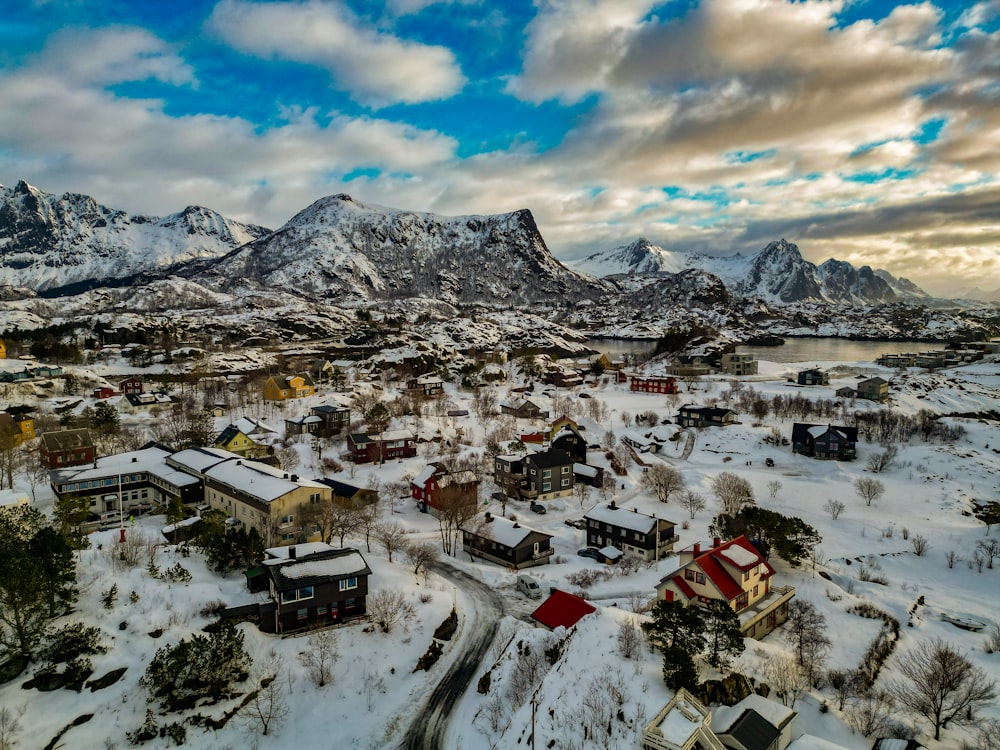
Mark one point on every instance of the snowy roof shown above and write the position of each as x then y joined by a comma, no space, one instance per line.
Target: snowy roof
169,528
425,473
680,723
772,712
625,518
739,556
397,435
199,459
585,470
14,497
508,533
333,564
612,553
811,742
258,480
277,555
248,425
145,460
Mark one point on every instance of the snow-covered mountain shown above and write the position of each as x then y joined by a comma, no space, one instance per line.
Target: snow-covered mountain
341,249
778,273
48,242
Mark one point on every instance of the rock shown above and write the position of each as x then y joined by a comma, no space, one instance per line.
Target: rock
106,680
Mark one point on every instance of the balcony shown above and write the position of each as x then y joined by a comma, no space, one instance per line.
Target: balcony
772,602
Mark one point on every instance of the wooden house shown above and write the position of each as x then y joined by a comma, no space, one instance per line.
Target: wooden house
426,386
522,408
812,377
705,416
436,486
874,389
507,543
131,385
67,448
381,447
830,442
665,385
636,534
284,387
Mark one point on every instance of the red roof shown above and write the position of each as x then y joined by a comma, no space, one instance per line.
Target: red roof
562,609
710,563
683,586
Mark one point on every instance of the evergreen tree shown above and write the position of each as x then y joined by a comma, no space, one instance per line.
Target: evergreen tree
68,515
105,419
722,633
52,556
679,632
679,670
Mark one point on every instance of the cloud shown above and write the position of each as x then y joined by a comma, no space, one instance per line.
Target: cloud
374,67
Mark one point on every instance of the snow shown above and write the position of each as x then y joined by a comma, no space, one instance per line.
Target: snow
739,556
626,518
771,711
256,479
331,566
676,726
506,532
277,555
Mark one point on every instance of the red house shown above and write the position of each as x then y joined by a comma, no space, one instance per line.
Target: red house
436,484
132,385
653,385
67,448
381,447
561,610
104,392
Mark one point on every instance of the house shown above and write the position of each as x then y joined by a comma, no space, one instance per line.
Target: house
15,429
562,378
426,386
263,497
653,385
103,392
522,408
755,723
16,375
636,534
247,437
832,442
592,476
382,447
547,475
436,487
568,438
350,495
733,572
812,377
561,610
705,416
739,364
135,403
308,425
284,387
508,472
129,482
507,543
46,371
67,448
846,392
131,385
322,421
649,441
3,350
874,389
322,586
683,724
689,366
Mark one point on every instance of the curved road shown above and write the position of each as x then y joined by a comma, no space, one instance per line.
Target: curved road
430,727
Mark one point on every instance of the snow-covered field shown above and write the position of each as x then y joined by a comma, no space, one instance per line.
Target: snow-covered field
375,695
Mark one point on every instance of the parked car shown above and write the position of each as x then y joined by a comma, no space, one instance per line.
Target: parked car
537,508
592,552
576,523
769,462
529,587
498,497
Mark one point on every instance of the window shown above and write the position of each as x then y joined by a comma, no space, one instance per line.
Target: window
699,577
306,592
746,576
302,614
689,575
638,536
347,584
565,483
755,590
741,601
547,473
287,519
314,498
565,470
547,487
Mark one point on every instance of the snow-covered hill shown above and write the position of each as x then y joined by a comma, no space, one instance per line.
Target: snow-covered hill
339,248
777,274
48,242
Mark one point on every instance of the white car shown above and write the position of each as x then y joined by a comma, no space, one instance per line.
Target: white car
529,587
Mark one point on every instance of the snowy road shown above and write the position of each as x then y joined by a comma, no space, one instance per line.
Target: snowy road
430,728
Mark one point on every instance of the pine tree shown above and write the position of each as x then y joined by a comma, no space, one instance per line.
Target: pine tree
722,631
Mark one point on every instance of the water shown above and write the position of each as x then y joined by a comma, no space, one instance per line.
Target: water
794,349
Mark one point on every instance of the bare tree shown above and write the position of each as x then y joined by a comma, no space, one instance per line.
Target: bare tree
881,462
662,481
389,607
392,537
421,555
10,726
692,502
807,631
484,402
288,457
868,489
331,519
320,656
582,491
920,545
628,638
988,734
783,674
266,707
454,512
845,683
869,713
990,549
774,487
834,508
733,492
941,685
368,521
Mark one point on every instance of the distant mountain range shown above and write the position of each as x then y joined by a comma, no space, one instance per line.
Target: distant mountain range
776,274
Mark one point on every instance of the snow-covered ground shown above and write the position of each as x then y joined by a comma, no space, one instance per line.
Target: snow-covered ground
375,696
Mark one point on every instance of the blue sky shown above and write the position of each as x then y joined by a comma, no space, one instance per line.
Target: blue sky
866,131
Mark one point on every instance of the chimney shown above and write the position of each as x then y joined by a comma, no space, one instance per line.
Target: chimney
516,525
135,459
291,552
696,550
285,475
613,505
489,517
295,477
716,542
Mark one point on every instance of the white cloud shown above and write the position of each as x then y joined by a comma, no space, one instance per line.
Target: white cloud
375,67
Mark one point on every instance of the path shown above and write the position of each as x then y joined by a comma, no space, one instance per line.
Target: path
430,726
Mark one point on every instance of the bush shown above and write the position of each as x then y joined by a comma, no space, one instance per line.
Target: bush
71,641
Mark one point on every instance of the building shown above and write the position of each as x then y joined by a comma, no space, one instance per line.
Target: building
547,475
683,724
247,437
739,364
705,416
649,441
874,389
262,497
334,419
321,586
832,442
522,408
755,723
67,448
426,386
284,387
140,479
350,495
132,385
846,392
733,572
812,377
16,429
635,534
653,385
3,350
507,543
436,487
382,447
135,403
561,610
568,438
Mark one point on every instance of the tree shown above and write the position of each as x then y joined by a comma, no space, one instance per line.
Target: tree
789,537
783,674
869,713
834,508
662,481
774,487
69,512
228,548
807,630
421,555
941,685
990,549
266,707
105,419
392,537
454,513
320,656
692,502
671,625
288,457
484,402
868,489
679,670
52,556
628,638
206,666
331,519
389,607
845,683
722,631
733,492
881,462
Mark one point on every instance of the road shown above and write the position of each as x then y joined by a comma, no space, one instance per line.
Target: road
430,727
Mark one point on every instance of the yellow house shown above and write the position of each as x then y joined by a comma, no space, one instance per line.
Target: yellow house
3,350
283,387
27,426
267,499
246,437
15,430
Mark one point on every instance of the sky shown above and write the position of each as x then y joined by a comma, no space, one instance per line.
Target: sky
865,130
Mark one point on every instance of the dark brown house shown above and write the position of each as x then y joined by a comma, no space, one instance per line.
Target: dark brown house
830,442
508,543
67,448
705,416
381,447
437,486
325,586
522,408
635,534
